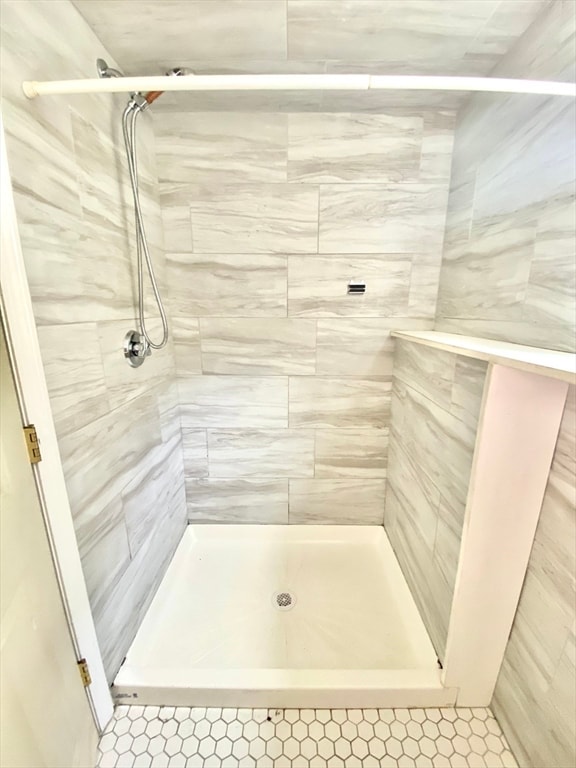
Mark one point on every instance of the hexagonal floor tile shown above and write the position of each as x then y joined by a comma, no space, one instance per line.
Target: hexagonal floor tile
190,746
207,747
342,748
274,748
176,737
124,743
173,745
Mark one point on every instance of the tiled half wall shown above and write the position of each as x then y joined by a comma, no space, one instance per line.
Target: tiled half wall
284,379
436,400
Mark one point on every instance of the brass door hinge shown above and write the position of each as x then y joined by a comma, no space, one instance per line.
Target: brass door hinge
84,673
32,444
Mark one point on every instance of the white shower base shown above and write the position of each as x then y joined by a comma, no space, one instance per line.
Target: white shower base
215,635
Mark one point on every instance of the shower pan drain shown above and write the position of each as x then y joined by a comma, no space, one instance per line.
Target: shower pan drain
283,601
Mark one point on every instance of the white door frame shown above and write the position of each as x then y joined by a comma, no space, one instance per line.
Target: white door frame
34,401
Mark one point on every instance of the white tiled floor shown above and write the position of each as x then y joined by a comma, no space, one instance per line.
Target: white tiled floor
305,738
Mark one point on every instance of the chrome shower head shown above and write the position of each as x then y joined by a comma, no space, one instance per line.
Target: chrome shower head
105,71
179,71
151,96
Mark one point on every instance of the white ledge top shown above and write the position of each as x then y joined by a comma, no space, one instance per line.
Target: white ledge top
548,362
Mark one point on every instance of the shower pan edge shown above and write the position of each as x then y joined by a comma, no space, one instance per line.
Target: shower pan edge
311,689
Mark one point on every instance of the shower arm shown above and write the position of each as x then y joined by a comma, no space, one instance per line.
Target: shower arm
115,84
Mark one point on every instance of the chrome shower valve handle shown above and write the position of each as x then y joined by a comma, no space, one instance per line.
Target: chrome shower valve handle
136,348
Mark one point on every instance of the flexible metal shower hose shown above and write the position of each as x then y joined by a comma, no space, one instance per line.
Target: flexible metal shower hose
129,118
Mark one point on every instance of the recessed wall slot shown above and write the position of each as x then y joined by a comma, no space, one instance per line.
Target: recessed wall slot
356,286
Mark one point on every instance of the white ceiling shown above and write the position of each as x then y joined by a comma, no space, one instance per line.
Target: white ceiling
464,37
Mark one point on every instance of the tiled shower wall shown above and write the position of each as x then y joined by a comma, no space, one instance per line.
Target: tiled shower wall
284,379
508,272
118,428
436,401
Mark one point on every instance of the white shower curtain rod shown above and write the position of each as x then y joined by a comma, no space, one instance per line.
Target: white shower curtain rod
33,88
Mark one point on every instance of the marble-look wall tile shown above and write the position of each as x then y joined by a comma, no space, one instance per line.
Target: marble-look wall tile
85,289
535,53
261,453
508,269
437,145
442,444
375,101
364,29
504,183
319,402
234,401
507,20
391,218
468,389
237,501
337,502
253,301
131,595
251,147
551,290
155,493
354,347
351,453
424,278
264,218
495,247
429,371
436,401
227,285
74,374
318,284
415,493
77,233
249,346
213,30
169,410
177,224
448,539
431,593
96,153
100,458
105,552
360,346
326,148
239,101
124,384
186,339
423,296
195,452
523,333
36,133
535,690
